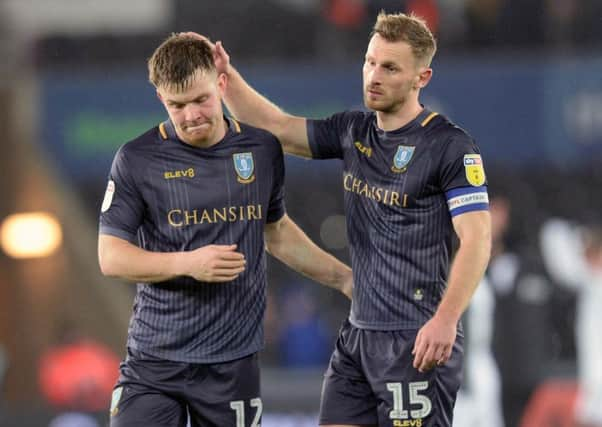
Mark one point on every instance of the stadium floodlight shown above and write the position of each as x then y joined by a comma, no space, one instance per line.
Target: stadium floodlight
30,235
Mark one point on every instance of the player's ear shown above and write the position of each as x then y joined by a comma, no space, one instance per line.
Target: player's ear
424,77
222,83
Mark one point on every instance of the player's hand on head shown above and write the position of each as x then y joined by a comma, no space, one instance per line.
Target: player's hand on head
220,56
216,263
434,344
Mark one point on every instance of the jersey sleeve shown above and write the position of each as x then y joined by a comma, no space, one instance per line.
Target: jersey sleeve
122,207
462,176
276,209
325,135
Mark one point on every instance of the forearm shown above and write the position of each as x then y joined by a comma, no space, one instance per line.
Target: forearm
126,261
249,106
292,246
466,272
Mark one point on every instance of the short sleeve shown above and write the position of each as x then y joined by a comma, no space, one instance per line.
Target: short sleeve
462,176
276,209
122,207
325,135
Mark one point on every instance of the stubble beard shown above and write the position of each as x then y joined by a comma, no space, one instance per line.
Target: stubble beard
200,136
386,106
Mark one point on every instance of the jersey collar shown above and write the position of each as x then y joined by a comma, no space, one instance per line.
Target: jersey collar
421,120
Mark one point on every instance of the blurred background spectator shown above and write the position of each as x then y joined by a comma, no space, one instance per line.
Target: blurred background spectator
305,337
78,375
76,378
573,254
523,77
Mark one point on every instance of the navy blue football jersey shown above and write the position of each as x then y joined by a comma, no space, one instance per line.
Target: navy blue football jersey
165,196
401,189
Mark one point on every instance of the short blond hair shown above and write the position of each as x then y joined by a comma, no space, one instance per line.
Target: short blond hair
177,60
395,27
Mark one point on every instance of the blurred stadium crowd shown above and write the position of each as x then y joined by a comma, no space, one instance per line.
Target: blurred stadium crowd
523,76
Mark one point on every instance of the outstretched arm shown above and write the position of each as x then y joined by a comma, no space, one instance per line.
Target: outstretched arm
287,242
436,338
251,107
212,263
247,105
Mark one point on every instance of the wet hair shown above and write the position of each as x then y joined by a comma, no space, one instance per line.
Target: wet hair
177,60
395,27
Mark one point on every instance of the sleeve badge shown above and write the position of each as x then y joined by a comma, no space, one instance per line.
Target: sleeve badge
473,167
108,199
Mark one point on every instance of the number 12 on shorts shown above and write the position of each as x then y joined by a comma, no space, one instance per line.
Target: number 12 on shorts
415,399
239,407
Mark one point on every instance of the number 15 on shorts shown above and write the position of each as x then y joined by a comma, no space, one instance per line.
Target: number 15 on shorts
413,418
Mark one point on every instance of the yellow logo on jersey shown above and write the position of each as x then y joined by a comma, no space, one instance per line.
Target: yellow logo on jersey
367,151
473,166
179,174
408,423
185,217
381,195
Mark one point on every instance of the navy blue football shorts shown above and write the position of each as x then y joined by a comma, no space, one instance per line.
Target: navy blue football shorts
152,392
371,381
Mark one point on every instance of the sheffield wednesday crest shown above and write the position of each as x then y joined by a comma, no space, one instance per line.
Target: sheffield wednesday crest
245,167
402,158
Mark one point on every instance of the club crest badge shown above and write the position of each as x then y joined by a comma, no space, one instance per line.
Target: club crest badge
402,158
245,167
473,167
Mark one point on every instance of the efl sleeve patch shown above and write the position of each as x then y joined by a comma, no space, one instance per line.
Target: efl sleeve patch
467,199
108,199
473,167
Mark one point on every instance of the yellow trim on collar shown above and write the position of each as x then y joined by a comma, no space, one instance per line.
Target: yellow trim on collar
162,131
428,119
236,125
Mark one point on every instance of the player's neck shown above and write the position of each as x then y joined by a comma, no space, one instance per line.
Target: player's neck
389,121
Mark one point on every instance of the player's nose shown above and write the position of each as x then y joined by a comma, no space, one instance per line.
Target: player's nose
373,78
192,112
